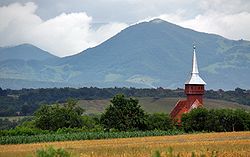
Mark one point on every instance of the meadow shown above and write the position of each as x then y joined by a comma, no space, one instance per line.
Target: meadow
225,144
153,105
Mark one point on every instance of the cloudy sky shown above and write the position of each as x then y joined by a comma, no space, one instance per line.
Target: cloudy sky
66,27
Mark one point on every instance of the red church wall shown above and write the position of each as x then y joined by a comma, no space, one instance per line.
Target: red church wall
194,94
194,89
191,98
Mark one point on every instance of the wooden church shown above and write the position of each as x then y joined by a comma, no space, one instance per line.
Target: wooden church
194,89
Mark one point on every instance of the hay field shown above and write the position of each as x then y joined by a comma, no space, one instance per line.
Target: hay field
230,144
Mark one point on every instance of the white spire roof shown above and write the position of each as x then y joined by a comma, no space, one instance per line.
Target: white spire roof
195,78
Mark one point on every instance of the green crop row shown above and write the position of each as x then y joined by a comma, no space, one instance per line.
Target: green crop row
82,136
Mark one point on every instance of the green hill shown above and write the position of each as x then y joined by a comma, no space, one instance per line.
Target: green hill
153,105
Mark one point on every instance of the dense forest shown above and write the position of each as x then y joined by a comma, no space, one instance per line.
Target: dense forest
26,101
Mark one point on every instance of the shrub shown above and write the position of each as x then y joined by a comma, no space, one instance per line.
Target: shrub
53,117
52,152
159,121
218,120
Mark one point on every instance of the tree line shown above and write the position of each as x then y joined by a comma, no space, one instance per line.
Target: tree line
125,114
26,101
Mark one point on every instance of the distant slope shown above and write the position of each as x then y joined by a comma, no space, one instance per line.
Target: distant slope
25,66
24,52
148,54
14,83
158,53
153,105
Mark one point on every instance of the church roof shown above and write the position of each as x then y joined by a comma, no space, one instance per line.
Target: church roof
195,104
195,78
178,107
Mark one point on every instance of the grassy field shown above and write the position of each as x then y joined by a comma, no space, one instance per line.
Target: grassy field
152,105
149,104
230,144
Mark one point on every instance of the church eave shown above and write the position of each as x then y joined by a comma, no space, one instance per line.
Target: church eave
195,79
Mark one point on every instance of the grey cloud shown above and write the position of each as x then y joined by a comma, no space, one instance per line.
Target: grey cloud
229,18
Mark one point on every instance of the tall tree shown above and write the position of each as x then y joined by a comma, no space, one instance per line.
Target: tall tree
124,114
53,117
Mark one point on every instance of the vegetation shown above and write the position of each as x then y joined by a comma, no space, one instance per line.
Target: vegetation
82,136
159,121
124,115
124,118
27,101
52,152
65,122
170,153
201,119
156,105
12,122
7,124
58,116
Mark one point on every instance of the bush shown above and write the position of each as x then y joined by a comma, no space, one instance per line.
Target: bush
52,152
57,116
23,131
196,120
218,120
159,121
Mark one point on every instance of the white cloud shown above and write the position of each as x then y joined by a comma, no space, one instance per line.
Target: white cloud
107,31
225,6
62,35
233,26
16,21
228,18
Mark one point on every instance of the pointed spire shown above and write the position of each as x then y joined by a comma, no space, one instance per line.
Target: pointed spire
195,65
195,78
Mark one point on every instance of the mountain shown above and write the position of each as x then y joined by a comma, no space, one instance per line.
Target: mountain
23,66
24,52
158,53
148,54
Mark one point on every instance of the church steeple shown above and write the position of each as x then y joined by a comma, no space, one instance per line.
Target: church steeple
195,78
194,89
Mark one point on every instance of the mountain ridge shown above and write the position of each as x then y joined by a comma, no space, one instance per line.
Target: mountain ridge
150,54
25,52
